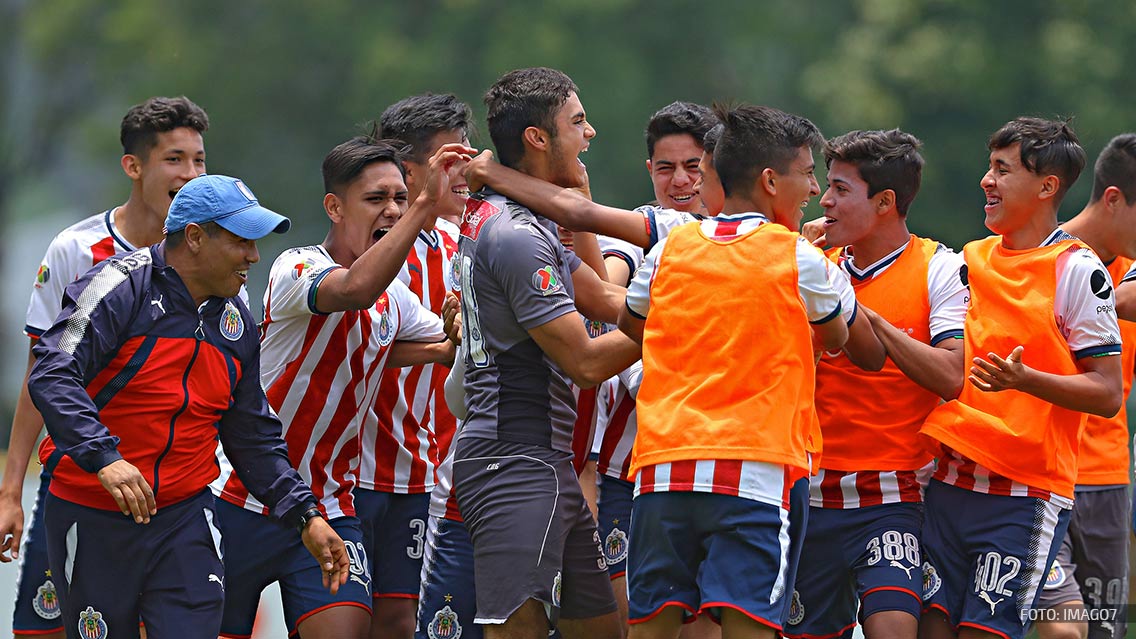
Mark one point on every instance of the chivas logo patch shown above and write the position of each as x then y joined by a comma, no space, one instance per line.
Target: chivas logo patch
444,625
232,326
91,624
615,546
46,601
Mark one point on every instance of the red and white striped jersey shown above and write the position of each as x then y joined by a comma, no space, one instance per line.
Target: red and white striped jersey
765,482
321,373
956,470
616,431
851,489
443,501
70,255
410,428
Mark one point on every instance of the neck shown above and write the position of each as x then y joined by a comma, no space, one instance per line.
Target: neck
338,249
533,166
1032,234
1092,227
138,224
182,262
737,204
880,243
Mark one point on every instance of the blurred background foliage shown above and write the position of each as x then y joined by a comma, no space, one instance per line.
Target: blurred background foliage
284,81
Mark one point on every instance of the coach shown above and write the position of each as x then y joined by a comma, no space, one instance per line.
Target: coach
152,359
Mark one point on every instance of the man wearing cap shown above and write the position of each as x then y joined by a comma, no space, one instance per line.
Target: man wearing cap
154,358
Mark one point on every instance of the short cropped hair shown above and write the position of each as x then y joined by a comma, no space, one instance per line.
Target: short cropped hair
417,119
520,99
1048,147
710,140
1116,166
143,122
885,160
758,137
679,118
346,161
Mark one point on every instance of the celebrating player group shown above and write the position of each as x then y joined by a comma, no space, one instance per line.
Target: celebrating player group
486,405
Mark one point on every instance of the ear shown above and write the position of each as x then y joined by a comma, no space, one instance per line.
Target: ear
1113,198
535,138
411,172
334,207
132,166
649,167
885,200
1049,186
194,237
768,181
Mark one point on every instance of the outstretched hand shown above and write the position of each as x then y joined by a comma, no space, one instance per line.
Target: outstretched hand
438,167
999,374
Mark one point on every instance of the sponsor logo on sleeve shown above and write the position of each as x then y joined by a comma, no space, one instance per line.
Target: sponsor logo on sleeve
546,280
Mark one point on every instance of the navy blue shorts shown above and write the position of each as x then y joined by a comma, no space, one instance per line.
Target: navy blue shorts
798,528
985,556
37,609
859,559
394,533
615,522
704,551
260,550
110,571
447,604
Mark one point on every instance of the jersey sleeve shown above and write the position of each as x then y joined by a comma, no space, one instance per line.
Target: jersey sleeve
825,289
527,265
639,290
613,247
1130,275
1085,306
60,266
660,222
294,282
416,322
948,295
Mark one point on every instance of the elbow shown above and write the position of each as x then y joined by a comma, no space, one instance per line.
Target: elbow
952,388
1110,405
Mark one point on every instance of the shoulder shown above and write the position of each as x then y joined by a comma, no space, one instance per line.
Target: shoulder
299,261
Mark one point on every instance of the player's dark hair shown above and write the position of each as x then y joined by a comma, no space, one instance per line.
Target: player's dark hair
417,119
710,140
520,99
1048,147
755,138
1116,166
885,160
177,238
143,122
679,118
346,161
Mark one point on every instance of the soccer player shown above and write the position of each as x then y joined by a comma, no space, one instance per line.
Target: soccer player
162,149
861,549
674,149
410,428
1091,566
333,314
1041,345
537,562
716,455
154,358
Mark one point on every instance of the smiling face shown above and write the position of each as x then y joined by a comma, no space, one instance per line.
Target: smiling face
674,172
226,259
573,135
369,206
794,189
1013,192
709,186
416,172
849,214
177,157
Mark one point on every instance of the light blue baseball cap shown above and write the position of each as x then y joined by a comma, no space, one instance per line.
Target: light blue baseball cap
226,201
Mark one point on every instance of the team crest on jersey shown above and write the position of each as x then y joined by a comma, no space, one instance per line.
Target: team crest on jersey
556,590
91,624
546,280
386,327
232,325
42,275
796,609
615,546
931,580
46,601
1056,575
444,625
301,267
455,275
477,213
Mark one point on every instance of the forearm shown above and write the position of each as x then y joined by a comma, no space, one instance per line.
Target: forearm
1088,392
55,387
863,347
26,425
380,264
587,248
417,353
604,357
939,370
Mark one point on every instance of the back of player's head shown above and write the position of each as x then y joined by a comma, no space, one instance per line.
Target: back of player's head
346,161
755,138
678,118
885,160
1116,166
143,122
1048,147
520,99
710,140
417,119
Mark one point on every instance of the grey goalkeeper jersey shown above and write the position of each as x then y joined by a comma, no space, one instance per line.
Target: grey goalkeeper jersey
514,275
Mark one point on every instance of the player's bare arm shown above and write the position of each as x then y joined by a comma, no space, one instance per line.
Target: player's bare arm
834,334
405,353
587,361
358,286
1097,390
326,546
26,424
863,348
937,368
1126,301
595,298
567,207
